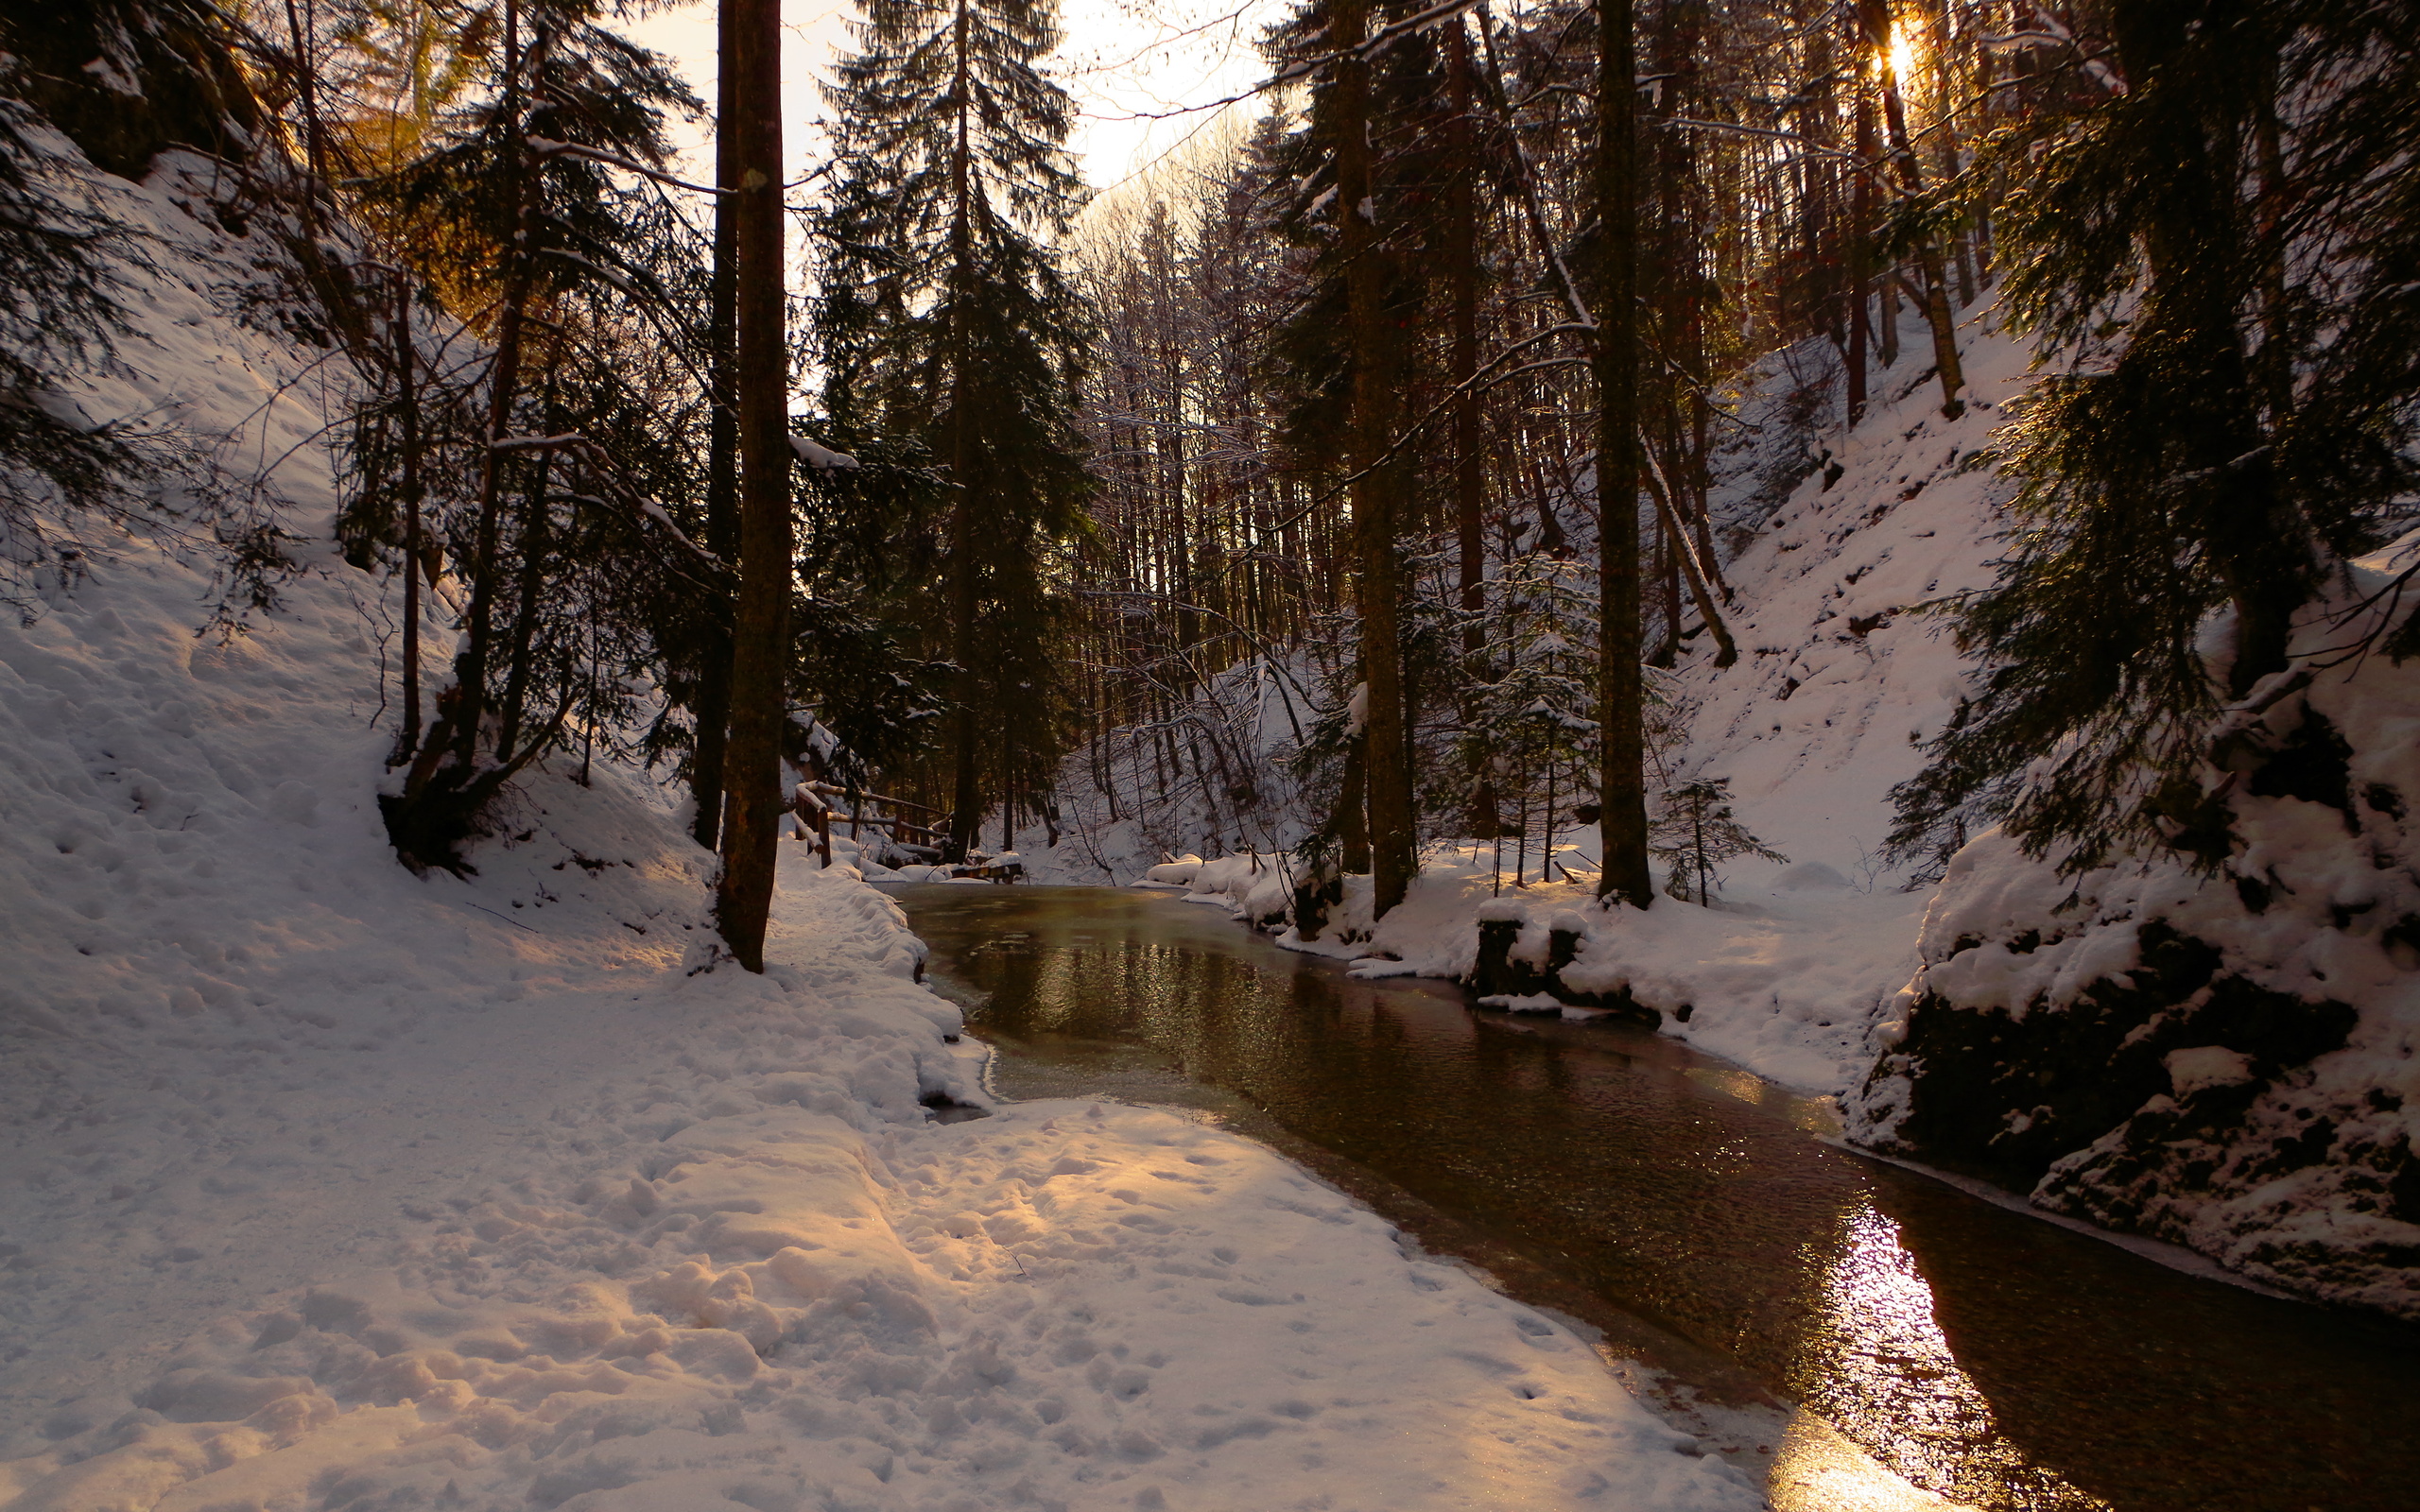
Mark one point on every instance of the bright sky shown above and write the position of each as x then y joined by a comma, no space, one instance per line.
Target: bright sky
1124,60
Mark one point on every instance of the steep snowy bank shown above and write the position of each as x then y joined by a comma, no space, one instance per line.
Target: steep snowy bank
331,1186
2225,1061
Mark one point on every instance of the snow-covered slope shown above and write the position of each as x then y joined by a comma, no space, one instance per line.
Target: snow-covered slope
2229,1061
334,1186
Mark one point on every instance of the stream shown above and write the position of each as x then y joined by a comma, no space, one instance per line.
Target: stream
1693,1214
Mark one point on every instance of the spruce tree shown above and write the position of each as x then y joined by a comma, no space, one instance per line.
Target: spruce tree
554,470
760,640
944,316
1368,166
1622,780
2220,261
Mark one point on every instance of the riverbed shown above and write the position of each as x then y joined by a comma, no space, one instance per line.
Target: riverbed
1697,1215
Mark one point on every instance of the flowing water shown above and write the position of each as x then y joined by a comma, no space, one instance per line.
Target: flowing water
1694,1213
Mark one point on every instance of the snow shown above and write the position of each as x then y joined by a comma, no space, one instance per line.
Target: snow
816,454
1785,980
332,1185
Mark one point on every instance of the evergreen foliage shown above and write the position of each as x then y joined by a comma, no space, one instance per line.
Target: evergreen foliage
2220,261
553,465
943,315
1694,832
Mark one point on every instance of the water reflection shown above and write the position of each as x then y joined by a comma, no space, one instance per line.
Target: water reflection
1876,1354
1990,1357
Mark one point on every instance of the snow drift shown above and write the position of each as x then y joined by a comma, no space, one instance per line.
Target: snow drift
2224,1061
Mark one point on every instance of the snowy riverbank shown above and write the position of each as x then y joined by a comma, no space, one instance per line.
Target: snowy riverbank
331,1185
334,1186
1786,980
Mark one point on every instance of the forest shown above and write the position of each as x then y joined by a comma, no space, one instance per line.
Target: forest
1327,398
1781,633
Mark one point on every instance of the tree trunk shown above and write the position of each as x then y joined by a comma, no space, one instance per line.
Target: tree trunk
1877,15
1461,253
1375,389
1470,497
966,797
1352,806
1622,788
471,664
722,471
1861,253
408,414
760,661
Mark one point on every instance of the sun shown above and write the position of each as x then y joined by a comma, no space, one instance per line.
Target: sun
1903,53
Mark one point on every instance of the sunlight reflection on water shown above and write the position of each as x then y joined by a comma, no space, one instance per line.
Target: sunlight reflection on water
1680,1203
1883,1367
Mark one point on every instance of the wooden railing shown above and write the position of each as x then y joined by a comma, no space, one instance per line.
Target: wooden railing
816,813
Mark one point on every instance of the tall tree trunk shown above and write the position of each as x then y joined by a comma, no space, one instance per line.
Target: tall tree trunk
760,659
1353,806
534,520
1861,251
966,798
471,663
1622,786
1376,387
722,471
1461,253
408,415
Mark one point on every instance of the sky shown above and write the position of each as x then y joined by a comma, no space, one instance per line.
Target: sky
1126,61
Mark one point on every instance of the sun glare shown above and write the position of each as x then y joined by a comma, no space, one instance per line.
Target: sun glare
1903,54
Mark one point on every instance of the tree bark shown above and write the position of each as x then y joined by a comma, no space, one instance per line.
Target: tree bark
966,799
1861,252
1876,17
760,661
408,400
1622,788
722,460
1386,763
1470,493
471,663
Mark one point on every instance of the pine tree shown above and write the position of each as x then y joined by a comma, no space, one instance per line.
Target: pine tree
1623,786
1696,833
760,638
555,463
945,316
2219,433
1375,147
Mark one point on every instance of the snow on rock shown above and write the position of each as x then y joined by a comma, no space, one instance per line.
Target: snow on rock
2224,1061
335,1186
